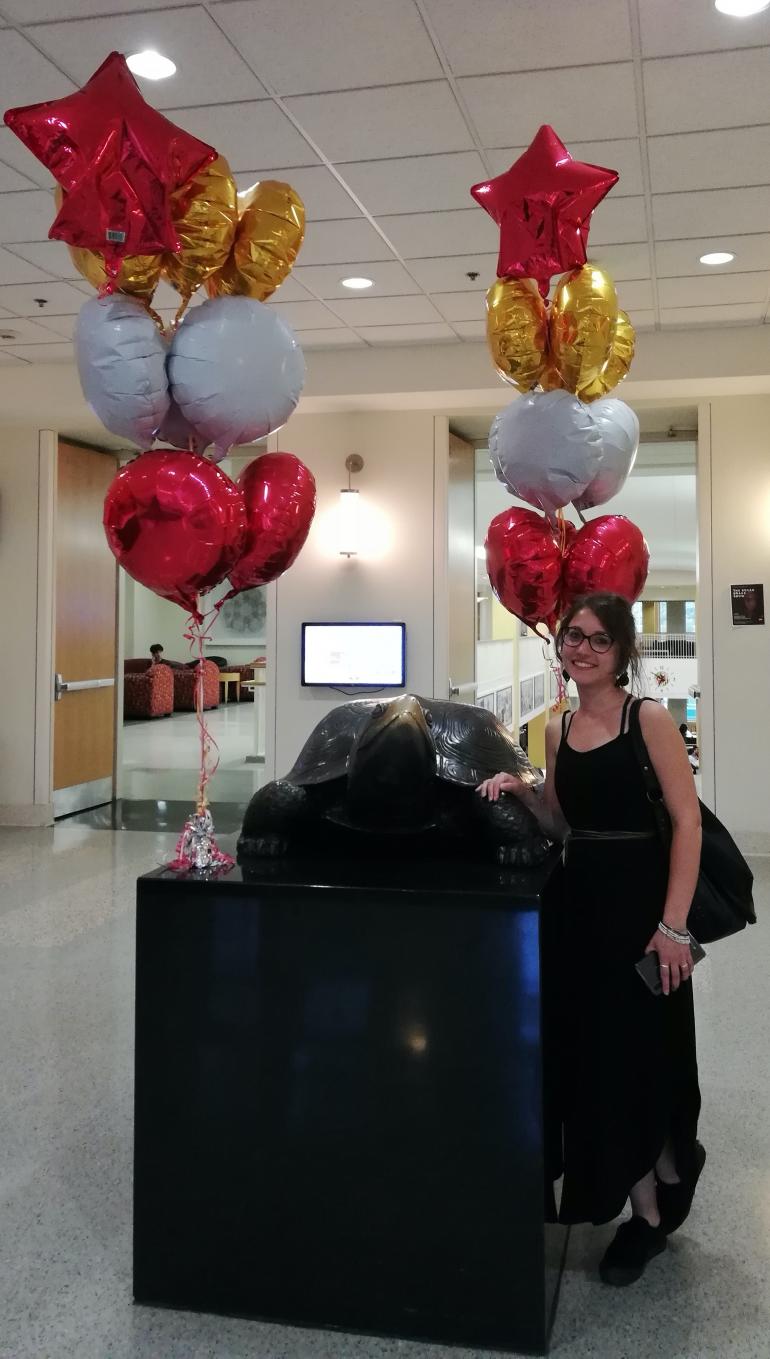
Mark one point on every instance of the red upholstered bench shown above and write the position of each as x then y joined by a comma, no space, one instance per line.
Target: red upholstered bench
148,689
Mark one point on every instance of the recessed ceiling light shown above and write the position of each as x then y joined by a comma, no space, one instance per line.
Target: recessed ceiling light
717,257
151,65
741,9
357,283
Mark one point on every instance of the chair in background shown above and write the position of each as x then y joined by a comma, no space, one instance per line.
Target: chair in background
184,687
148,689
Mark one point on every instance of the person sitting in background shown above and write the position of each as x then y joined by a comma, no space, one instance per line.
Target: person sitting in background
156,653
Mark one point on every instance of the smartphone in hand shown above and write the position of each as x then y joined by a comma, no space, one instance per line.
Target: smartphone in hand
649,967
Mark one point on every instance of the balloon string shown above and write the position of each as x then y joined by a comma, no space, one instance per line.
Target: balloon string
197,634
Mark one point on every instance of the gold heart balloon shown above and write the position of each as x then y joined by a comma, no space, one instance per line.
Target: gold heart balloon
618,363
582,324
204,211
270,231
517,331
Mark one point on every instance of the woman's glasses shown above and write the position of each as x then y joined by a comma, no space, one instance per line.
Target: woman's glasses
598,641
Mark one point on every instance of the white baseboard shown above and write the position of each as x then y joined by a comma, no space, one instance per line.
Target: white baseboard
26,814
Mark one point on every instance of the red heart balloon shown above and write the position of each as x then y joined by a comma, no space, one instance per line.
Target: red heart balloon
609,554
525,565
279,495
176,523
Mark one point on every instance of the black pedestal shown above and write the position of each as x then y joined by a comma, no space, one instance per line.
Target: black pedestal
338,1100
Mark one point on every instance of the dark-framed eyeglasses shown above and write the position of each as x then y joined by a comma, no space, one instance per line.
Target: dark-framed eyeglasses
599,642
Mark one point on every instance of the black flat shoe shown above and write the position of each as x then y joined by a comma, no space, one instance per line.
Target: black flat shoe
675,1200
635,1243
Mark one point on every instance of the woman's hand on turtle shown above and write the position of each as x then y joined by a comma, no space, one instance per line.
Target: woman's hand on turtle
501,783
674,960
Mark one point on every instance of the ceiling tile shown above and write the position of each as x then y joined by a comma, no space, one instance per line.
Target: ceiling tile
636,296
25,332
20,298
368,124
449,274
712,290
643,320
487,36
389,278
323,195
34,11
675,214
622,155
26,216
45,353
11,180
670,29
207,64
291,290
8,360
587,100
337,45
465,306
711,90
61,325
471,330
385,311
327,339
709,160
406,334
419,235
14,153
623,261
617,221
674,258
305,315
16,270
345,243
27,76
712,316
416,183
247,134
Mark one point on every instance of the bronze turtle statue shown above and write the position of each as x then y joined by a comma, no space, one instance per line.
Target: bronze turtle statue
407,767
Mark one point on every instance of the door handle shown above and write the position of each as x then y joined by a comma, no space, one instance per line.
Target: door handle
62,686
456,689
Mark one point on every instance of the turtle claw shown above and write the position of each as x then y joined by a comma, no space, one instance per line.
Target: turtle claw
526,854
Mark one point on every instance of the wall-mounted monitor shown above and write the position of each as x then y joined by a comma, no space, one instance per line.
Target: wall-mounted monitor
349,655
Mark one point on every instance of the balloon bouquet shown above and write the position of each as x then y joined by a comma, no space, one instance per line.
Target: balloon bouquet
566,440
139,199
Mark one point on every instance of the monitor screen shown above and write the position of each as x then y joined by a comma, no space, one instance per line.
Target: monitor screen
367,654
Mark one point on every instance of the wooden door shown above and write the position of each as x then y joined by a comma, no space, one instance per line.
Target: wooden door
86,633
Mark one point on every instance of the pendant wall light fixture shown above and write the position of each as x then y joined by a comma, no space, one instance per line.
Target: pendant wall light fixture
349,514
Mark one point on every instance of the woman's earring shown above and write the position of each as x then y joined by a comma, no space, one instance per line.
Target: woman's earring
622,680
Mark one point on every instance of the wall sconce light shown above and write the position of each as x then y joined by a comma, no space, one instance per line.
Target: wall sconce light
350,503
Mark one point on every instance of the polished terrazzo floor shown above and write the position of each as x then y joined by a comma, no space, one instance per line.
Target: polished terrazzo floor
66,979
160,757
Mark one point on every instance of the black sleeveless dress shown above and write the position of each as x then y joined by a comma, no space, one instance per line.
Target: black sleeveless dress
621,1069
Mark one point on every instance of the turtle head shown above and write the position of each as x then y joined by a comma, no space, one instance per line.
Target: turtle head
392,767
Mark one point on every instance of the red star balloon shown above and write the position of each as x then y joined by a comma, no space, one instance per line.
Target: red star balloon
118,159
543,207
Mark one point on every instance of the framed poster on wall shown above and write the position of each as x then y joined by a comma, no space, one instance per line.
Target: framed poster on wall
748,604
539,690
504,705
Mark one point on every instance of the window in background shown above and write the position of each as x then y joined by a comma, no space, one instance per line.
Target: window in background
638,613
663,616
689,616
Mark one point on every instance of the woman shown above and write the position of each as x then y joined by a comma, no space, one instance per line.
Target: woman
623,1079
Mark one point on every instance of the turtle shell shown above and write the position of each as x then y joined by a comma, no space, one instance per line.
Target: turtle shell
471,745
326,751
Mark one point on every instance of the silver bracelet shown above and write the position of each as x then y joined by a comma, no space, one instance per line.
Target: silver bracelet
676,935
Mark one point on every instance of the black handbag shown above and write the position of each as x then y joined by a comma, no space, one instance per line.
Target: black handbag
723,903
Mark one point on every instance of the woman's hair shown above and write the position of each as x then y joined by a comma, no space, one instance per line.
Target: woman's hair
614,614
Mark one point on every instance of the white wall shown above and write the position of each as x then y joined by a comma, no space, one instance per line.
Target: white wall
740,553
393,578
27,472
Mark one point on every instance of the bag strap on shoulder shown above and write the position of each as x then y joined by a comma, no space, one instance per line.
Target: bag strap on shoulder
651,782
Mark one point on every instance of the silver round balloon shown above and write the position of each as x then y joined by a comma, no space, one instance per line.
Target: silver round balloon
236,371
619,428
121,358
546,448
